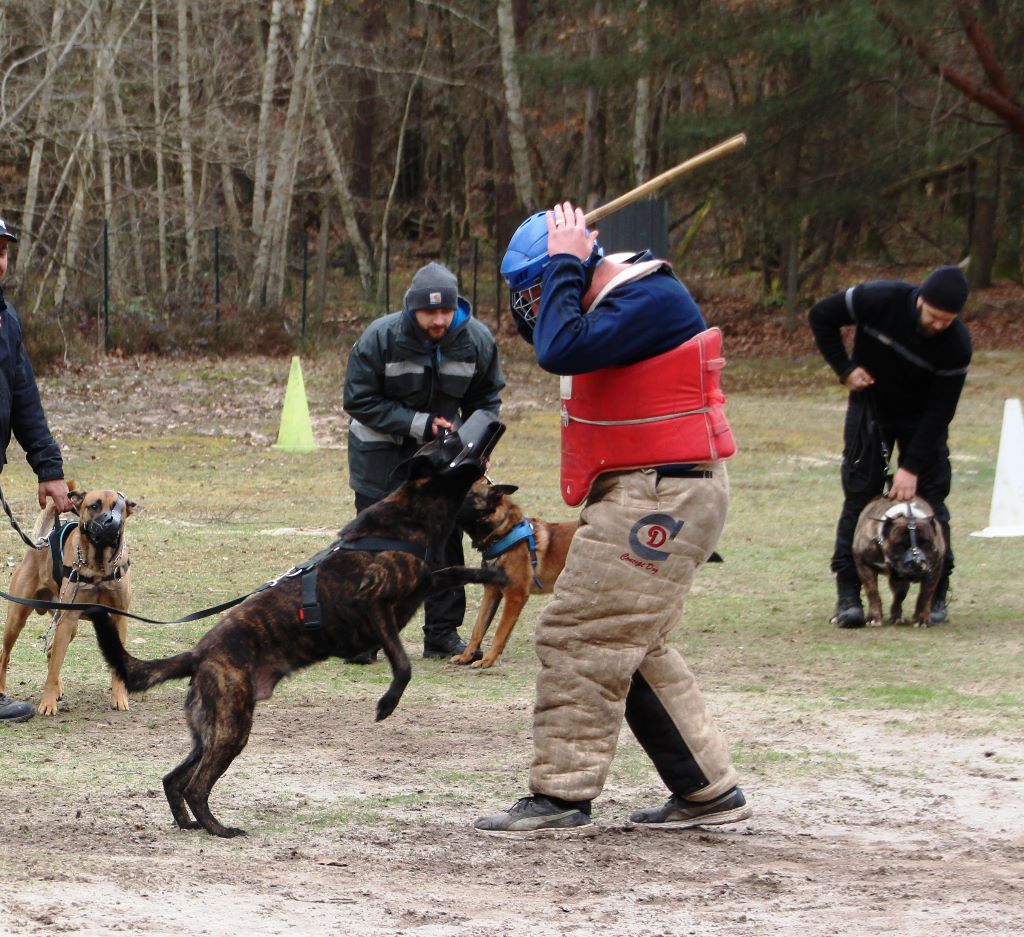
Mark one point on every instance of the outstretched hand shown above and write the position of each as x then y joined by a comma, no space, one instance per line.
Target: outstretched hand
567,232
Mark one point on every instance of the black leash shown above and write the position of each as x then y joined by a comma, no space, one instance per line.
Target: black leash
34,544
310,610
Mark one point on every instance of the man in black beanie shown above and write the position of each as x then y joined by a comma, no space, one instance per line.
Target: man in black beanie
907,367
410,375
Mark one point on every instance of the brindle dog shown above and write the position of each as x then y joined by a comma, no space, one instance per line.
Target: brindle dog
368,586
904,540
95,568
488,515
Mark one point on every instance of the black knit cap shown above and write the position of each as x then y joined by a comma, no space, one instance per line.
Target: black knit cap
6,232
433,287
946,288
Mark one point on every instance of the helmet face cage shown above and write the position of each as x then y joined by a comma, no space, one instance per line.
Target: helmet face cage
524,303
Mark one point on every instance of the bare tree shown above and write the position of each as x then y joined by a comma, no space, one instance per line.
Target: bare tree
41,137
266,113
272,232
514,105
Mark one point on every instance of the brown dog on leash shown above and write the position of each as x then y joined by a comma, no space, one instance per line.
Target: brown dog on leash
90,564
531,552
355,596
904,540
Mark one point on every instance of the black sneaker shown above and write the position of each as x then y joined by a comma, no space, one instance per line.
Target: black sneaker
363,657
940,611
14,711
445,645
678,813
532,817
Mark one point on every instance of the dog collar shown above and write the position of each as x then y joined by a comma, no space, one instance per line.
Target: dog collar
72,574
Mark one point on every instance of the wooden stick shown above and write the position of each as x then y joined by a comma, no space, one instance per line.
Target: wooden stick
726,146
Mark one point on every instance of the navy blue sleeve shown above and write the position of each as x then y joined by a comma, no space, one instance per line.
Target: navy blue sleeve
635,321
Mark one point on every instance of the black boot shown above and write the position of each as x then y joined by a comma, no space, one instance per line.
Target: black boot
443,645
849,611
940,610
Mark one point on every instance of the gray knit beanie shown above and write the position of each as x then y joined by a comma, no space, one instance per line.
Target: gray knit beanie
433,287
946,289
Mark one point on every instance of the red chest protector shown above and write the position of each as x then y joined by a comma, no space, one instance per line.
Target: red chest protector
659,411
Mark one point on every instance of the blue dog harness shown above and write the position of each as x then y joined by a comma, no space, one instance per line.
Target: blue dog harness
522,531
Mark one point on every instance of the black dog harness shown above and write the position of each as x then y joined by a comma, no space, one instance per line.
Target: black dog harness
309,612
56,540
522,531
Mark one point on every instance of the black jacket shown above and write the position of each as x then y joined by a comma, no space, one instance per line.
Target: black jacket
21,410
918,377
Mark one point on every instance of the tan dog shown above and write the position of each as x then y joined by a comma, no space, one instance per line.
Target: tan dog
96,568
493,520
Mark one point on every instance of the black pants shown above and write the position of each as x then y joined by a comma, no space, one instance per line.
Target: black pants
443,611
863,477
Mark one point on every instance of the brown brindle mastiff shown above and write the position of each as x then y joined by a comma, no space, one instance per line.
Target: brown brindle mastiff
92,566
498,529
904,540
366,587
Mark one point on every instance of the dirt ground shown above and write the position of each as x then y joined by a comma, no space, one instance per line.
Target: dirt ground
907,839
909,833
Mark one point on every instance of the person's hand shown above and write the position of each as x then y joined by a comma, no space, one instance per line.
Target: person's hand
567,232
439,425
904,486
58,490
858,379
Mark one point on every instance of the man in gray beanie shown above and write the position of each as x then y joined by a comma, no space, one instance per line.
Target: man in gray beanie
907,367
410,375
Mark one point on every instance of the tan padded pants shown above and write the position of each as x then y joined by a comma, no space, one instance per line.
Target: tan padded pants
622,591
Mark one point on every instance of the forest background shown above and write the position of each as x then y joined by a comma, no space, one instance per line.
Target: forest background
189,176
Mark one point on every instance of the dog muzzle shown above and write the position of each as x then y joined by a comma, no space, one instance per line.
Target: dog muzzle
104,530
472,442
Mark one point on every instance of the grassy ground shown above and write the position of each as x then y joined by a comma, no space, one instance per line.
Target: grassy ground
884,763
217,517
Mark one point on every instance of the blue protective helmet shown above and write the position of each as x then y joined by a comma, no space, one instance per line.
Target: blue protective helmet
523,268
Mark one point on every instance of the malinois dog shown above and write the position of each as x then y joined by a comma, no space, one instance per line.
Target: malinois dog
87,562
904,540
367,586
531,552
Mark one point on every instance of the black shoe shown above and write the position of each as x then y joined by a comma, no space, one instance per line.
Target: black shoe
530,817
444,645
14,711
679,813
849,612
940,611
363,657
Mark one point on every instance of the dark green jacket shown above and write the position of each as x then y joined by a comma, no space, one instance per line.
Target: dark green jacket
398,381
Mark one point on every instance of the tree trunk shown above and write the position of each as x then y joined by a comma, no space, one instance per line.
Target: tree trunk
273,232
185,123
158,123
589,171
983,229
339,177
266,110
514,106
40,137
322,248
642,110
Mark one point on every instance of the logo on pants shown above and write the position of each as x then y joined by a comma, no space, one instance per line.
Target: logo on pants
652,532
